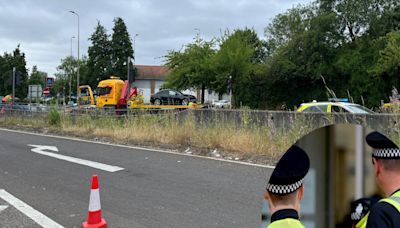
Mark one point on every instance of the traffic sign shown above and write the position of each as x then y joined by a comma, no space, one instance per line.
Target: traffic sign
50,82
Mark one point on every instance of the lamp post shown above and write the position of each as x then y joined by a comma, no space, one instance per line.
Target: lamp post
197,32
77,77
134,48
70,76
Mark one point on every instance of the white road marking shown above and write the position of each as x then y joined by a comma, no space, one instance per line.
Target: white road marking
3,207
29,211
137,148
40,149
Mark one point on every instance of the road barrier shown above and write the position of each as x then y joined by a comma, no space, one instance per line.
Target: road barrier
280,121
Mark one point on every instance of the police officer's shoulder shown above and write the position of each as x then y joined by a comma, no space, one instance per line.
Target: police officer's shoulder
383,214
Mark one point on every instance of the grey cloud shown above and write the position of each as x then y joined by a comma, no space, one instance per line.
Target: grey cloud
44,27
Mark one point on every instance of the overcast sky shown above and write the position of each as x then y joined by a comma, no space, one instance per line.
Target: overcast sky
44,28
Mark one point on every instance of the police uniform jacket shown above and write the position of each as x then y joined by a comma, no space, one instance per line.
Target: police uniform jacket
386,213
285,218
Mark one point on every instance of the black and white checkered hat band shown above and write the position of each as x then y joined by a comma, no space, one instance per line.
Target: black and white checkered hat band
386,153
284,189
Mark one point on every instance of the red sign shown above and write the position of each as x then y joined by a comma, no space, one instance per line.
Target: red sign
46,92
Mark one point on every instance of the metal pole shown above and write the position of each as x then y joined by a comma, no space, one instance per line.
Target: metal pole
129,84
70,76
77,77
79,66
13,87
134,48
230,91
359,162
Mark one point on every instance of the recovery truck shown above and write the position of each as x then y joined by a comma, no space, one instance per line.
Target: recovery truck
113,94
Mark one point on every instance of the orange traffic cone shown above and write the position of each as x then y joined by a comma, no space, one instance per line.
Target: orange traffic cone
94,217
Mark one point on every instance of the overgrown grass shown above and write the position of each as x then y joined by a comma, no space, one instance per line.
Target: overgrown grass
167,129
240,134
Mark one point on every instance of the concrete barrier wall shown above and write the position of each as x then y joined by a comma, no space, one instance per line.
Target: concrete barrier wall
282,122
278,121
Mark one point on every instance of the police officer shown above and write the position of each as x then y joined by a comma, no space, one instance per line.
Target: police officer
285,188
386,161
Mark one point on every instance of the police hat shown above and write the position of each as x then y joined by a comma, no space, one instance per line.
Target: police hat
289,173
383,147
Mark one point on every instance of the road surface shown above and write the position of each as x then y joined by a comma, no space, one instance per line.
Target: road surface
146,188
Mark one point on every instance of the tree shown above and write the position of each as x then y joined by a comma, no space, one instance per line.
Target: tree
37,77
233,64
121,49
67,71
99,52
285,26
191,68
7,62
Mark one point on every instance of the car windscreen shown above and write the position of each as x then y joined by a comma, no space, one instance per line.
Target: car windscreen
358,109
316,108
104,90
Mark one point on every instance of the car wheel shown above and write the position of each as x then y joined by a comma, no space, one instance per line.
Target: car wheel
157,102
185,102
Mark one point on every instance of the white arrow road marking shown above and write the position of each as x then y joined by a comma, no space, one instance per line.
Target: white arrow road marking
3,207
97,165
29,211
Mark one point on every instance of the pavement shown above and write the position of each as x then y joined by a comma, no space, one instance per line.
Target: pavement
143,188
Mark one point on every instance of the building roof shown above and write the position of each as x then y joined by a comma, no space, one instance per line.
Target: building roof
152,72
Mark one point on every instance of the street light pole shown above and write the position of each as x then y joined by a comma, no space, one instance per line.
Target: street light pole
77,77
70,76
134,48
72,37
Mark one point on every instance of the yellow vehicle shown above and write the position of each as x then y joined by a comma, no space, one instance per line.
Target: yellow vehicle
113,93
391,107
341,106
108,94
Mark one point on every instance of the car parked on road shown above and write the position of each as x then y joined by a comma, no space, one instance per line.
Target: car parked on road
334,106
171,97
221,104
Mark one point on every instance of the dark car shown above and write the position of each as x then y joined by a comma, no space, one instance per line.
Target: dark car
171,97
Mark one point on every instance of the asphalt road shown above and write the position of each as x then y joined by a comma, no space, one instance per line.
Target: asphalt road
154,189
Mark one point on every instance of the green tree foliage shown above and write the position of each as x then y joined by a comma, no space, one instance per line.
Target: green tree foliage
121,49
67,71
7,62
37,77
350,47
99,61
191,67
342,41
233,64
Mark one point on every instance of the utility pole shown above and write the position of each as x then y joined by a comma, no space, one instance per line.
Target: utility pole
129,86
134,48
77,77
70,76
13,87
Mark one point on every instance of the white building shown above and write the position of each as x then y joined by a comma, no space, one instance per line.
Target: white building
150,79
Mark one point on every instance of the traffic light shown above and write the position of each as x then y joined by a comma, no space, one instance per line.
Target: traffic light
18,78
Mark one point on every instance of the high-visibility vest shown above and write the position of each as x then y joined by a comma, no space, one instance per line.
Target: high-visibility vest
393,200
286,223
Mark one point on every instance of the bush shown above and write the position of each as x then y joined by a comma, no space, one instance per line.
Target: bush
54,117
